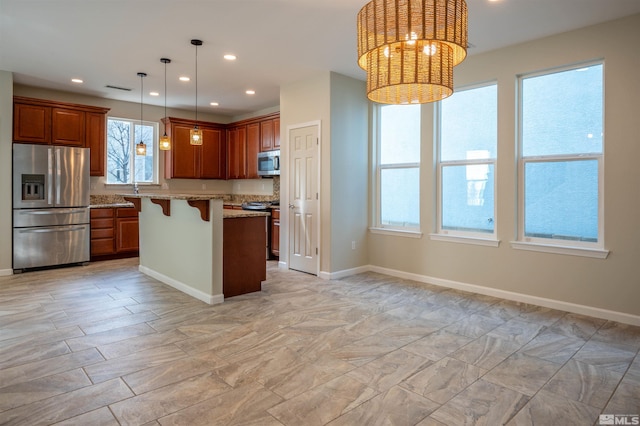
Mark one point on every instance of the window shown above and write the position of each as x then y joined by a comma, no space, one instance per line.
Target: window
122,136
398,167
466,163
561,146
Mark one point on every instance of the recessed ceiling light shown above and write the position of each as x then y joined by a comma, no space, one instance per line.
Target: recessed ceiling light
230,57
76,80
185,78
154,93
250,92
214,104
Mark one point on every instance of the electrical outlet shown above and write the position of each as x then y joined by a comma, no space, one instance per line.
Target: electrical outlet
353,245
204,186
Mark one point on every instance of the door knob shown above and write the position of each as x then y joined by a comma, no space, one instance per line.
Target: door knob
291,206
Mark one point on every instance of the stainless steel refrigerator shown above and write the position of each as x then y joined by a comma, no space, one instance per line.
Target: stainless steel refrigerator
50,206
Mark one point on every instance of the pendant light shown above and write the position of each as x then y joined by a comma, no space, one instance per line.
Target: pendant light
196,133
141,148
409,48
165,142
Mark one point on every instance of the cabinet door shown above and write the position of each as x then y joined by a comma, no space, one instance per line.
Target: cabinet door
31,123
126,230
67,127
266,135
184,155
253,147
213,155
276,133
96,130
237,153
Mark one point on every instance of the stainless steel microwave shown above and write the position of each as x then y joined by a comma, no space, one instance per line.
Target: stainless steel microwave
269,163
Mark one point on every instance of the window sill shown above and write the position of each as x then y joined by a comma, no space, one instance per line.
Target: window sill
487,242
568,250
130,185
396,232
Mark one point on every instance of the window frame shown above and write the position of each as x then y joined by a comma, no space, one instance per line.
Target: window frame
460,235
379,227
132,142
550,245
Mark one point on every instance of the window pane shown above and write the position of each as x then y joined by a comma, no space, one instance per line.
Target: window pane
118,151
467,198
469,124
400,134
144,164
562,112
561,200
400,197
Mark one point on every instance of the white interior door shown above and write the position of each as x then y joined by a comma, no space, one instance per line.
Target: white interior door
303,199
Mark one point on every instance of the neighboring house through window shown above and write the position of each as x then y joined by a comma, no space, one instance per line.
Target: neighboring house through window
123,165
398,167
466,163
561,157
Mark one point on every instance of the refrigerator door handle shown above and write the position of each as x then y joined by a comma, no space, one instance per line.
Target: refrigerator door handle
49,177
48,212
53,229
57,177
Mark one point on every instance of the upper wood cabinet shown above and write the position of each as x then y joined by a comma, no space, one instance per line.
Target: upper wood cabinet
67,127
253,147
186,161
60,123
31,123
270,134
237,152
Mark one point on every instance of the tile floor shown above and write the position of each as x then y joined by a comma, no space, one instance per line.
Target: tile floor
104,344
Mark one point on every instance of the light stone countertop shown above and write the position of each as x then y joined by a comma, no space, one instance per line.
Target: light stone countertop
231,214
166,196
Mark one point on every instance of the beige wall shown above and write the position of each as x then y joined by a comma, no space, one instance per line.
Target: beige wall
349,173
6,132
611,284
303,102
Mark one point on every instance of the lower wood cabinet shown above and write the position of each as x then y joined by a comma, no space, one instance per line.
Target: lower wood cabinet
114,233
244,266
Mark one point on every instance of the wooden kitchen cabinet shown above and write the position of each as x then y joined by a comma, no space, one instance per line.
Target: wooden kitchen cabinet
244,267
126,227
60,123
186,161
275,232
67,127
269,134
253,147
31,123
114,233
96,140
237,152
102,233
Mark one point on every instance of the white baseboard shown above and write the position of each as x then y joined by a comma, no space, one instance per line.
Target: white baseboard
345,273
503,294
6,272
178,285
282,264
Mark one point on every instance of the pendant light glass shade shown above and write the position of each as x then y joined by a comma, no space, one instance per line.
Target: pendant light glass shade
196,133
409,48
141,148
165,142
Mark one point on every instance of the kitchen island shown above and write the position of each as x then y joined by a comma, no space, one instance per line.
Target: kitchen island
190,243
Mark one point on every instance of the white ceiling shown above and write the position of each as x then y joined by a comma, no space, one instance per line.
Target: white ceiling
107,42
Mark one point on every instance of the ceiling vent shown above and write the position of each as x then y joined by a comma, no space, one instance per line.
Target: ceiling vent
118,88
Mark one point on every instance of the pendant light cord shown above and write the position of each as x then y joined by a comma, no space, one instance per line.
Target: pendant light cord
196,84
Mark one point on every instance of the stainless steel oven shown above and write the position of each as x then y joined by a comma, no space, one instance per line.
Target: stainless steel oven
269,163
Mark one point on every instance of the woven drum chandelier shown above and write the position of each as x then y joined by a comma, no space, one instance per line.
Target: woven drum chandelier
409,48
